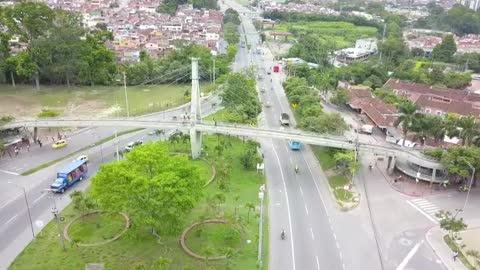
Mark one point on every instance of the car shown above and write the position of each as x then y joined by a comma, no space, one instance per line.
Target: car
131,145
59,144
82,158
268,104
269,72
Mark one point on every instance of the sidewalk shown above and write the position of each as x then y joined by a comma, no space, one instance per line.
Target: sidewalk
434,238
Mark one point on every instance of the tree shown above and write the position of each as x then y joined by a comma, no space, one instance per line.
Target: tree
468,129
450,223
456,158
346,162
408,118
206,4
223,167
208,252
445,50
340,97
153,187
240,96
250,206
219,198
330,123
231,16
81,202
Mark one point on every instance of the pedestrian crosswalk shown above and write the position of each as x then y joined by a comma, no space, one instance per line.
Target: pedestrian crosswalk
426,208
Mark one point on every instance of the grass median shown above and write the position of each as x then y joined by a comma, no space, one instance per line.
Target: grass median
104,140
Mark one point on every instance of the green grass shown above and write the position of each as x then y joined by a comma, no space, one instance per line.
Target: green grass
104,140
142,99
336,181
344,34
97,227
325,156
218,237
453,246
136,248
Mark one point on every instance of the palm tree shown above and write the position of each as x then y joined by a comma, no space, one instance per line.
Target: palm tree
469,130
250,206
408,117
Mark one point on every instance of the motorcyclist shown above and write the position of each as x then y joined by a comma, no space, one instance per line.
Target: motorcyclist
370,165
283,234
296,168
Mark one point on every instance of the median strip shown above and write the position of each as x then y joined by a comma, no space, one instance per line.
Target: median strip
104,140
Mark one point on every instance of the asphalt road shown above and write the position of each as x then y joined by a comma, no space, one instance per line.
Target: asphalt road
295,203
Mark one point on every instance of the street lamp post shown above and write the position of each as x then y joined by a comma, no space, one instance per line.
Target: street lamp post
125,90
116,144
261,195
470,186
58,219
28,206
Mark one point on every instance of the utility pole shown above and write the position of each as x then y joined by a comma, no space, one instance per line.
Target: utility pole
470,186
116,143
383,39
125,90
195,112
58,219
261,195
28,206
214,69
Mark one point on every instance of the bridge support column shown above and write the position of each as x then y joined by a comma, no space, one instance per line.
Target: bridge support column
391,164
195,113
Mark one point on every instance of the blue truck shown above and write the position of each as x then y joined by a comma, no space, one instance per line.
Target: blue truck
69,175
294,145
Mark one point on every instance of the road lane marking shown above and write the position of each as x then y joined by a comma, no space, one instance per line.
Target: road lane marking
288,206
301,190
318,263
10,201
11,219
313,235
423,213
41,196
9,172
409,256
306,209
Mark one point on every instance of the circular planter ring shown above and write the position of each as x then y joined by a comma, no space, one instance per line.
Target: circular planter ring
214,171
67,228
190,253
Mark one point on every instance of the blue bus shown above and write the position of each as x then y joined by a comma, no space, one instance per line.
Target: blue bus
69,175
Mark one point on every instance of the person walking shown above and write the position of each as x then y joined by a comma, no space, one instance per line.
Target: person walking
16,150
455,256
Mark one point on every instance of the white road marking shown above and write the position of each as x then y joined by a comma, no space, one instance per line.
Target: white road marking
41,196
11,219
7,203
313,235
409,256
335,236
318,263
9,172
301,190
288,207
423,213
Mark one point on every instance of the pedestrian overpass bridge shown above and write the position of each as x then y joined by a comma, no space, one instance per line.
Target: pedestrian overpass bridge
196,128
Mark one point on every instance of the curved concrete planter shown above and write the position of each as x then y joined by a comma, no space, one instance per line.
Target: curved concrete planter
210,221
67,228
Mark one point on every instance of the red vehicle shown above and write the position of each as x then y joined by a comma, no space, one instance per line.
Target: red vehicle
276,69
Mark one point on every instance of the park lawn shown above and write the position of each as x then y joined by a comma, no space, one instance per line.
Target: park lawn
344,34
97,227
22,101
142,248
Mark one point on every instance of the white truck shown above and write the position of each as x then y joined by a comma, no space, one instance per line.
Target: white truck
284,119
367,129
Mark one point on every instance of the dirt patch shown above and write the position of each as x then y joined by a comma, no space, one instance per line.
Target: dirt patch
19,106
330,173
94,108
471,238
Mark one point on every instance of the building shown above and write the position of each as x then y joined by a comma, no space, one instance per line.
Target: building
435,100
381,114
364,48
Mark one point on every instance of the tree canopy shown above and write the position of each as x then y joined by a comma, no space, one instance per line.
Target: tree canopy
153,187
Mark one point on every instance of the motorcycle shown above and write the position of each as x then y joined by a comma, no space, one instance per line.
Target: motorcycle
283,235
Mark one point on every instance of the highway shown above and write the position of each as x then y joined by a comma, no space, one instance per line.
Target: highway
295,203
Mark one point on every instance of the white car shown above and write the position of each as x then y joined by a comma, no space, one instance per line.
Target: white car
82,157
131,145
